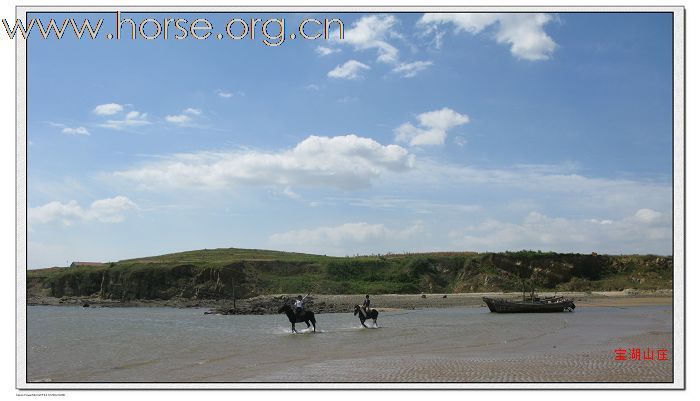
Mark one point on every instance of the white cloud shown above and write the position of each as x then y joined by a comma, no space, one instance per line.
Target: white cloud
344,162
408,70
350,70
510,191
443,119
76,131
647,215
132,119
108,109
357,232
178,118
224,94
592,192
415,136
109,210
185,117
135,115
559,186
193,111
524,32
434,127
540,232
370,33
345,238
291,194
312,87
373,32
326,51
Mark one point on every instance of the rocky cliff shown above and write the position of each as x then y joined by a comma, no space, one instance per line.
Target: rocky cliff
219,273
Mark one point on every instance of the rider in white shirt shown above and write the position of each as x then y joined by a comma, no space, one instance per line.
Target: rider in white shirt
299,305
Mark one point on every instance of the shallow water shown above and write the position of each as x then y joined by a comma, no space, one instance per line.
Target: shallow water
70,344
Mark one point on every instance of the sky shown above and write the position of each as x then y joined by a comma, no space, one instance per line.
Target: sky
415,132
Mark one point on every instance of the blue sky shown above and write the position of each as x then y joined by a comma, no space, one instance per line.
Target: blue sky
417,132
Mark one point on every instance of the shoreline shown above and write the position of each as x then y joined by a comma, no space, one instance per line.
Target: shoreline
325,303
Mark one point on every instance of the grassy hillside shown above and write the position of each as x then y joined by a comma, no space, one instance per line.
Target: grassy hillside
210,274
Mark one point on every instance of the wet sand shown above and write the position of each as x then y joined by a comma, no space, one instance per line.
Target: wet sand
502,366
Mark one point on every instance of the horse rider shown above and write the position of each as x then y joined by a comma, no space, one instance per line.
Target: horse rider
365,306
299,306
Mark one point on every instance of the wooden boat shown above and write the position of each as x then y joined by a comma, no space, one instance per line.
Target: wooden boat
530,305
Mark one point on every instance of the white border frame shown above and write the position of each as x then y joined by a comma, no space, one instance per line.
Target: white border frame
679,327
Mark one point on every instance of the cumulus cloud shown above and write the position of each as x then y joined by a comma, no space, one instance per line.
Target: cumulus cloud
178,118
109,210
345,238
326,51
538,231
433,127
108,109
76,131
371,33
131,119
185,117
343,162
524,32
408,70
350,70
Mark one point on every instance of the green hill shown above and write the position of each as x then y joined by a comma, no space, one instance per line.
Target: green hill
211,273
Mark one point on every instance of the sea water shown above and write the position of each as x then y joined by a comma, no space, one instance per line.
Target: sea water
73,344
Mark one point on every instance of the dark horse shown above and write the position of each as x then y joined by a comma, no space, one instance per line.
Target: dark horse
306,317
371,314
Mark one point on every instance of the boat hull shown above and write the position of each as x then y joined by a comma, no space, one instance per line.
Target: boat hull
507,306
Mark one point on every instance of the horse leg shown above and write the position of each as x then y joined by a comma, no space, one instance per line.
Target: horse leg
294,330
363,323
375,322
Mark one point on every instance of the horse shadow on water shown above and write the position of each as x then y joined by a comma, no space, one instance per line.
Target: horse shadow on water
372,314
306,317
